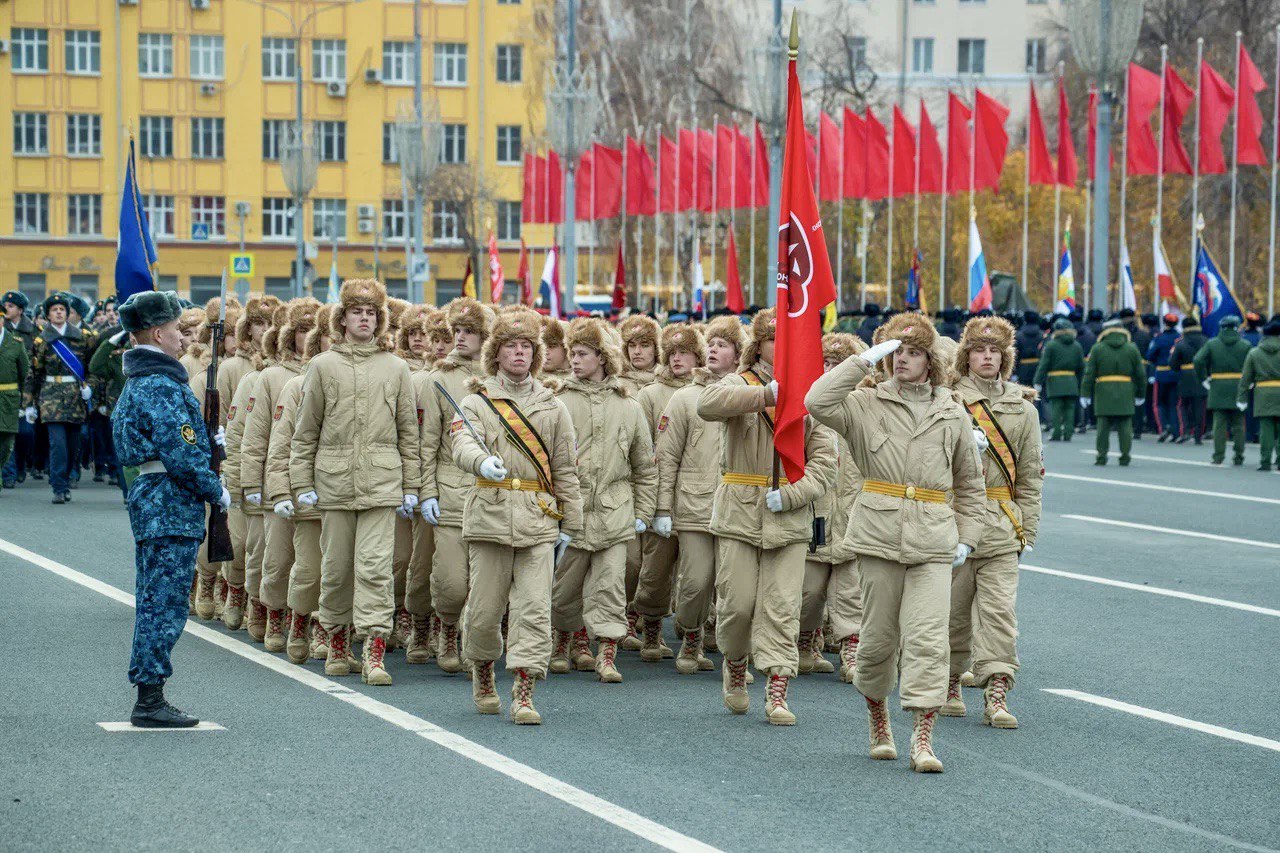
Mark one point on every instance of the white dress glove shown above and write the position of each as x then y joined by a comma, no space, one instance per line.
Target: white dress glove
86,393
102,410
962,553
1086,401
493,469
220,437
431,510
773,391
1027,550
562,543
981,438
1142,401
662,526
1040,390
641,527
1207,383
773,500
284,508
1242,406
224,500
408,503
254,499
308,499
874,354
31,414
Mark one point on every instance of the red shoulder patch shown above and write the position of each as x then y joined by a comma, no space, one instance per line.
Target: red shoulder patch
419,417
662,423
279,412
249,408
456,426
231,414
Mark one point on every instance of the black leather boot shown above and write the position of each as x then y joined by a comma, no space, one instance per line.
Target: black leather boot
153,712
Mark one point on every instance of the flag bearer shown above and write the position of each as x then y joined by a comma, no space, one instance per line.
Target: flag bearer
1058,374
1220,366
1115,380
1261,373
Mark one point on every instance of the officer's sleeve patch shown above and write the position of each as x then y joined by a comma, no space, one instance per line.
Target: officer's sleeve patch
249,408
188,434
279,412
231,414
662,423
456,426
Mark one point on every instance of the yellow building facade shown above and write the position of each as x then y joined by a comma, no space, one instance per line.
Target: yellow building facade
206,88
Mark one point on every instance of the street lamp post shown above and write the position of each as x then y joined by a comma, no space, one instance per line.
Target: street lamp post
764,87
418,138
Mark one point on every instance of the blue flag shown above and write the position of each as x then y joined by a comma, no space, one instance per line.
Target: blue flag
1211,294
135,253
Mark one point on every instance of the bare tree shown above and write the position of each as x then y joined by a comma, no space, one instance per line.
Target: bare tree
463,191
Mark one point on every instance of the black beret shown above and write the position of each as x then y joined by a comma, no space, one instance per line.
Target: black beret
148,309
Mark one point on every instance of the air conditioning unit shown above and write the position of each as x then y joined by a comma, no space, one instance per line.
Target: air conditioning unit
207,89
243,208
337,89
4,45
198,5
372,75
366,211
128,2
365,226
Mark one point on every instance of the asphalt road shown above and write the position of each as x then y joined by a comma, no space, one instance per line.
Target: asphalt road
1181,631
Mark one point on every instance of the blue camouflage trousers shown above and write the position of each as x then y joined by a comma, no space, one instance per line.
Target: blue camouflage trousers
165,568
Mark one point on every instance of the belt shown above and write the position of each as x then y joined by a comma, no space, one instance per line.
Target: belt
1164,367
59,379
155,466
1002,496
1225,375
735,479
911,493
1267,383
1028,360
514,484
1115,377
1062,373
8,386
1188,367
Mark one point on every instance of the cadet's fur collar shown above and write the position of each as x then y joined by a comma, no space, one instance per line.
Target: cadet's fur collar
454,361
573,383
704,376
1069,334
970,389
138,362
495,387
664,376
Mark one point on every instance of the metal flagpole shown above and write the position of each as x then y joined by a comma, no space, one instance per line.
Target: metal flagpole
1057,213
915,215
1195,174
888,242
1275,150
1124,174
622,233
840,226
657,221
1157,222
675,227
752,208
1026,195
715,201
942,219
1235,171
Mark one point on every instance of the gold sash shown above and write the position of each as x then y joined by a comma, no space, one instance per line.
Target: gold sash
529,443
1006,461
752,378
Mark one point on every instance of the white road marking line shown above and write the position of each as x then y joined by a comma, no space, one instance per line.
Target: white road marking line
1150,458
1154,590
1173,531
202,726
1171,719
1153,487
612,813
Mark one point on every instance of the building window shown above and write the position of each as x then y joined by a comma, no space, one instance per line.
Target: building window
329,219
510,63
331,141
509,144
508,2
329,60
204,288
508,220
277,218
83,52
922,56
1035,56
155,54
451,64
973,56
30,49
453,143
160,210
84,135
209,210
84,214
31,213
85,285
207,58
275,132
279,58
858,51
444,222
207,138
397,62
155,136
389,152
30,133
394,221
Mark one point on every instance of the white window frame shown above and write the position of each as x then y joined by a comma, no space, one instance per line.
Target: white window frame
390,148
922,55
509,58
279,55
331,141
208,57
29,206
325,210
29,48
155,55
453,143
397,63
30,134
162,214
87,204
275,133
210,210
450,63
82,52
504,143
329,60
444,224
277,218
155,137
84,135
967,58
208,138
1037,55
395,220
508,216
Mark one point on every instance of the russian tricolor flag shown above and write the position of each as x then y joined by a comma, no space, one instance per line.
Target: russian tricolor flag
549,287
979,281
1066,277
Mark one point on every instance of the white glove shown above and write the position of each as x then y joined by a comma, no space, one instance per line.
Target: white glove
102,410
773,500
962,553
641,527
284,508
430,510
1040,389
1151,381
220,437
86,393
981,438
1028,549
662,526
254,499
410,503
1242,406
1085,401
873,355
773,391
492,469
1207,383
224,500
31,414
117,338
308,499
562,543
1142,401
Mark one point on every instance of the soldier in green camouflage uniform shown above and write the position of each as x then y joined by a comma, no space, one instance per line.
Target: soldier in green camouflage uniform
1219,367
62,396
1115,380
1262,374
18,326
107,371
14,367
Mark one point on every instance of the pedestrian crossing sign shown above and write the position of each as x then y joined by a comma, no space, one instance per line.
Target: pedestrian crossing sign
242,265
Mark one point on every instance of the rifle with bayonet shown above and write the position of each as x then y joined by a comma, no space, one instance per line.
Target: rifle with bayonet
218,532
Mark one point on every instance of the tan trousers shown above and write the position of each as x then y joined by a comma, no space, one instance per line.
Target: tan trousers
634,558
400,555
989,586
695,578
417,584
355,569
203,566
450,575
255,550
833,586
657,573
304,580
904,607
590,589
233,572
758,604
516,582
277,561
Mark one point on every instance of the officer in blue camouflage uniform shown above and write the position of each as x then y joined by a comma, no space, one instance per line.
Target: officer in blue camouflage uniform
157,426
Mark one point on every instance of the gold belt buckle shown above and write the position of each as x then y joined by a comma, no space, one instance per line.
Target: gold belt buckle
911,493
515,484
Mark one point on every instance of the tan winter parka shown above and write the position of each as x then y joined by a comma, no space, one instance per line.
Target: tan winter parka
277,487
835,506
258,423
653,398
242,405
441,478
688,452
230,372
633,380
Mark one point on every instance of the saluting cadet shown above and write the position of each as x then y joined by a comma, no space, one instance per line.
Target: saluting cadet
1058,377
1115,381
1261,374
762,531
1191,394
58,385
1220,366
14,367
158,428
1014,473
913,443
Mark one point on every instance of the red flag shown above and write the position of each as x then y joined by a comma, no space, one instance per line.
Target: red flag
1216,100
528,202
1068,168
904,155
930,155
608,183
959,144
668,165
811,149
1040,171
497,282
642,186
762,170
829,183
620,282
1177,100
584,203
742,169
555,189
525,275
686,169
875,182
1249,150
990,142
732,282
805,287
855,143
706,170
726,161
1143,99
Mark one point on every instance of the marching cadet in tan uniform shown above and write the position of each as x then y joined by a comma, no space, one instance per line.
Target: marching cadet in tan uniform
682,350
762,532
555,363
831,569
445,486
284,348
914,445
527,489
441,337
188,326
1006,414
355,457
618,479
688,452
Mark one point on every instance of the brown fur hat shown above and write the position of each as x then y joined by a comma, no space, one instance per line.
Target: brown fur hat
987,330
553,331
914,329
414,320
639,328
190,318
519,324
764,327
211,310
681,337
600,336
438,325
271,339
838,346
257,310
467,313
300,316
727,327
323,316
362,291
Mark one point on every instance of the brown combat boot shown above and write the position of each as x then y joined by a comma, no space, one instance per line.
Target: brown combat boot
690,652
219,595
709,635
336,661
298,646
653,649
273,637
583,660
816,648
449,657
319,640
400,633
418,649
606,663
522,711
631,642
775,701
804,649
882,746
848,658
922,758
433,639
995,711
560,653
484,690
374,669
233,613
734,682
204,596
954,706
257,620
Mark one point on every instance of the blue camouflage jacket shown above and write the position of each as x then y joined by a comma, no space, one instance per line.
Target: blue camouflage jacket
158,418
